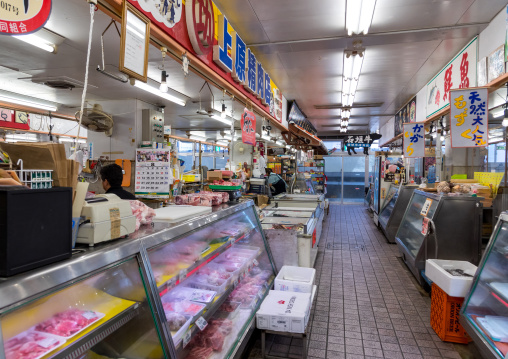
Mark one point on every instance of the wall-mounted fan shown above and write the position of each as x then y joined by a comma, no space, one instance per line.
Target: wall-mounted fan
95,119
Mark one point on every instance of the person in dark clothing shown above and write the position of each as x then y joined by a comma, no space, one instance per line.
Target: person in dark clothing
112,177
276,183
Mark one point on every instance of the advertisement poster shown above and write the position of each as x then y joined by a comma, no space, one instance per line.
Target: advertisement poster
469,117
459,73
248,123
405,115
414,140
152,173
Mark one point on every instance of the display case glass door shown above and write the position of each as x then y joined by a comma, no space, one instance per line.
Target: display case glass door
486,308
410,230
388,204
346,178
105,315
211,282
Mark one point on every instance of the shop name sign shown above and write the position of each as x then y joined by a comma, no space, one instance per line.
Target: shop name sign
459,73
232,55
23,16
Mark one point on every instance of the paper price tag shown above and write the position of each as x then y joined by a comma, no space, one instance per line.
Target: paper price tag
201,323
256,263
187,337
426,207
89,315
47,342
425,226
182,275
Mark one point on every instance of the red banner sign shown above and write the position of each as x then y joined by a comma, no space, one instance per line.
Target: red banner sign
248,124
18,17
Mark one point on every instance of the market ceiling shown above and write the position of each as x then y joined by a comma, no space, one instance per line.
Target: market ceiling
300,43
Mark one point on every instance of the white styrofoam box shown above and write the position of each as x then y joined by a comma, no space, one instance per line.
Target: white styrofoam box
284,312
455,286
295,279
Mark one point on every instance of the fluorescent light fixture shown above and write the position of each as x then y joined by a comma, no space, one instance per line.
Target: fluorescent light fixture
37,41
345,113
505,122
29,103
280,143
441,138
197,138
22,136
359,15
70,139
155,91
499,114
197,133
223,120
222,142
266,138
288,147
225,137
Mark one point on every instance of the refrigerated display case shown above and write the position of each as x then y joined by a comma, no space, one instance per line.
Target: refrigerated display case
313,174
173,291
394,207
484,314
457,222
384,165
293,234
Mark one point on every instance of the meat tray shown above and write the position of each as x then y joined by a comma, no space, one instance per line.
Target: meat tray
199,281
185,307
192,294
63,321
42,344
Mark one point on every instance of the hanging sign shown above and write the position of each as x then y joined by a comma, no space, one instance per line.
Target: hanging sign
19,17
405,115
134,43
469,117
459,73
248,123
414,140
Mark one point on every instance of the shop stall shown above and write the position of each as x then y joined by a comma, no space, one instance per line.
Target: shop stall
484,314
159,294
454,223
393,209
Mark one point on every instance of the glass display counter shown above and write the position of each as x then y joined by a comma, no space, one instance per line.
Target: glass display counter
188,290
484,314
394,207
457,220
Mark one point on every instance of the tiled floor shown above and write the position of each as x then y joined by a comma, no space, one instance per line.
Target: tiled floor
366,305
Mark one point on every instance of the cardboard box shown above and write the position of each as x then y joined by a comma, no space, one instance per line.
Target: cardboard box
295,279
213,175
284,312
262,200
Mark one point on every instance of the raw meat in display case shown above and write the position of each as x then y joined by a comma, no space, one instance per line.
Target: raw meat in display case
31,345
68,323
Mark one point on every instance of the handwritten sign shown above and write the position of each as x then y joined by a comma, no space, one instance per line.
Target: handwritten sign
134,43
414,140
459,73
426,207
248,123
469,117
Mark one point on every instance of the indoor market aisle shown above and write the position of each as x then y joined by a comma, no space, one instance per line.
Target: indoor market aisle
367,305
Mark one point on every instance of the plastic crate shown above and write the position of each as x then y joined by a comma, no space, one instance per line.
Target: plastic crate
444,316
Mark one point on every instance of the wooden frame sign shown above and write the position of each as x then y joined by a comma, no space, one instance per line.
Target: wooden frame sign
134,42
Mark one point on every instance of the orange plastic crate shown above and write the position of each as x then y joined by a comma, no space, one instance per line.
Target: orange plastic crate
444,317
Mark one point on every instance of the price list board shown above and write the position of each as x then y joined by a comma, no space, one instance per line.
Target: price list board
152,173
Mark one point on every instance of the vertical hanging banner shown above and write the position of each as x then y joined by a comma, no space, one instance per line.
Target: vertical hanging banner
460,73
469,117
248,124
414,140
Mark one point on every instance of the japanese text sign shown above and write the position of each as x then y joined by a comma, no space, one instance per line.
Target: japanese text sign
414,140
248,124
22,17
358,141
469,117
459,73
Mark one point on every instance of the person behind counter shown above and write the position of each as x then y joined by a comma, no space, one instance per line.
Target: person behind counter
276,183
247,171
112,177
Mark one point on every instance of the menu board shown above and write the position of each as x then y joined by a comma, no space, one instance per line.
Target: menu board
152,173
134,43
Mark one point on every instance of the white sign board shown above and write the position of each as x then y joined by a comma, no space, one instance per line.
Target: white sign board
469,117
414,139
459,73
